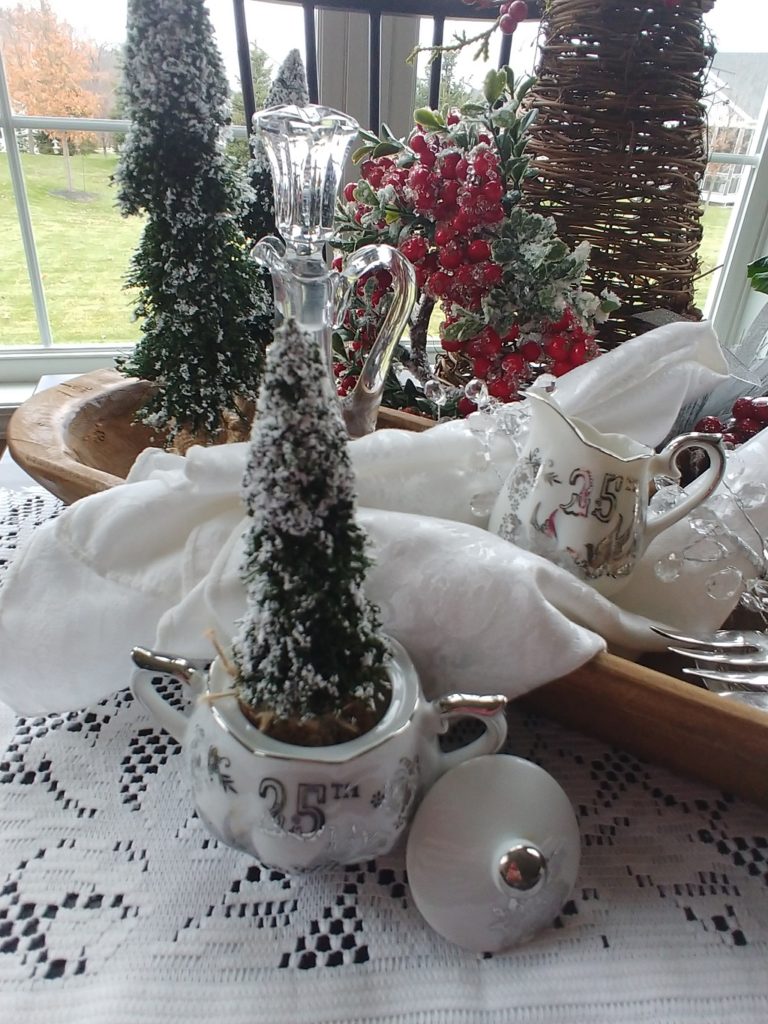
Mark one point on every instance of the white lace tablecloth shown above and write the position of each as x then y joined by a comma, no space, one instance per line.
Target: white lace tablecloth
116,905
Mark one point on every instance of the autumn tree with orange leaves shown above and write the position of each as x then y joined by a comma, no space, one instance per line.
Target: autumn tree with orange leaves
49,70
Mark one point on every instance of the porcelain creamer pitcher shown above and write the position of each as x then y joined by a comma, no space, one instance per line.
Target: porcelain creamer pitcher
305,808
580,498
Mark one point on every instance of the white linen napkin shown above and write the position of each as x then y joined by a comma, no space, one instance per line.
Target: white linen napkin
155,561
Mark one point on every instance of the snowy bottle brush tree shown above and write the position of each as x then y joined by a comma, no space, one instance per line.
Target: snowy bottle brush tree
206,314
308,654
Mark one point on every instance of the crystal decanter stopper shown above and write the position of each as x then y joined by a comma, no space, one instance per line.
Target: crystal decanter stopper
307,148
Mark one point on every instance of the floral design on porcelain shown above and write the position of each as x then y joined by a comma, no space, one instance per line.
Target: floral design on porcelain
217,763
518,486
400,791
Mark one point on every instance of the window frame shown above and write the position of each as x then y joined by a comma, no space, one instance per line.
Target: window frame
343,83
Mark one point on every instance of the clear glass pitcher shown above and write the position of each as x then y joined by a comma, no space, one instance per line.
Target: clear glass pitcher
307,148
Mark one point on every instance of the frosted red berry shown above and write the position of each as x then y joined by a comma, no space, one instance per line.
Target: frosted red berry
414,248
478,250
742,408
710,425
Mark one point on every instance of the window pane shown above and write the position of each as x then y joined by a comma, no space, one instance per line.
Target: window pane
83,244
718,207
462,76
273,30
17,316
735,91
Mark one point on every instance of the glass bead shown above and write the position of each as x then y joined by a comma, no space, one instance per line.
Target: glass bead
705,549
482,424
480,505
725,584
665,499
660,482
752,495
668,568
435,392
477,392
706,523
722,504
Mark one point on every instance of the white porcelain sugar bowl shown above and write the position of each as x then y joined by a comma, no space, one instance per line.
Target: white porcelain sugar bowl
302,808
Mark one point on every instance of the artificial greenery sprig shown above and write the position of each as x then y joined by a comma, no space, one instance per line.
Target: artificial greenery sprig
510,14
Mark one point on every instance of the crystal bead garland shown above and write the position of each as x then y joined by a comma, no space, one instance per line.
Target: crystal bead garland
716,541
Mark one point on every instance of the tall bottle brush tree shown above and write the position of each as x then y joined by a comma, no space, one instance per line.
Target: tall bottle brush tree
206,315
310,660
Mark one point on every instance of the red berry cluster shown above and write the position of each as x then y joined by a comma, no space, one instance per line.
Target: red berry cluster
458,195
748,417
511,15
457,198
461,194
509,362
447,198
566,344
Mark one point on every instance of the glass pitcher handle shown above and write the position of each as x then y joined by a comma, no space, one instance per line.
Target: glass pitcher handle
361,406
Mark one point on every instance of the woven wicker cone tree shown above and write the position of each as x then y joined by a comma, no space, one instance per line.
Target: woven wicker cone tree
620,145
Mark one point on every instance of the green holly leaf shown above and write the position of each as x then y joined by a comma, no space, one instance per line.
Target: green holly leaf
365,194
385,149
391,216
757,272
504,143
362,153
494,85
472,110
504,118
524,88
428,118
609,305
504,250
464,328
368,136
510,76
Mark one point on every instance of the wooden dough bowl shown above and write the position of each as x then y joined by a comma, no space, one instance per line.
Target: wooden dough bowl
79,438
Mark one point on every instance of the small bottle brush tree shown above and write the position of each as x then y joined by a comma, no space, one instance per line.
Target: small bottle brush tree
290,84
308,654
206,315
